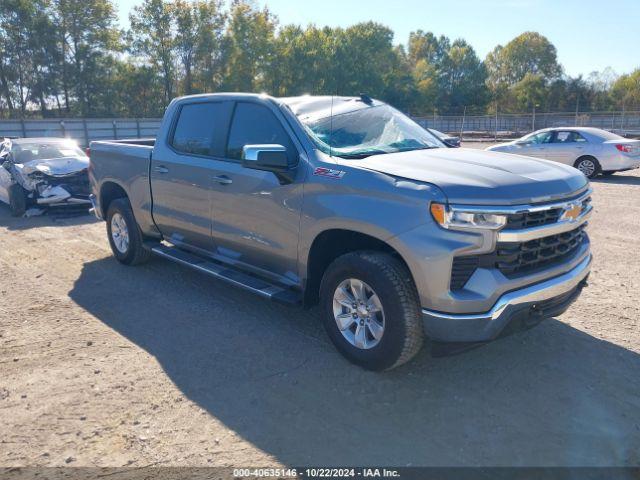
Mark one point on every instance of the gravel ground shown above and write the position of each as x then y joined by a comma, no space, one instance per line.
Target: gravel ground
107,365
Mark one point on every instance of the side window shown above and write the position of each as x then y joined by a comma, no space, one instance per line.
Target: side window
197,127
256,124
563,137
568,137
544,137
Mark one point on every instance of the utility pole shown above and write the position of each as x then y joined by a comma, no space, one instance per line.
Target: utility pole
464,114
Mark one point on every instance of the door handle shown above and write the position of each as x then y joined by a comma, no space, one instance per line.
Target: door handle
161,169
222,180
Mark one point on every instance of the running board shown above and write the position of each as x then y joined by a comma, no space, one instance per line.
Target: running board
229,275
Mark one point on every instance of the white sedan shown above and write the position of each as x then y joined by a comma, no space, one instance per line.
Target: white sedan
42,172
590,150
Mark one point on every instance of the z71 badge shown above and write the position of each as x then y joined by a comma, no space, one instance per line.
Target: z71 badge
329,173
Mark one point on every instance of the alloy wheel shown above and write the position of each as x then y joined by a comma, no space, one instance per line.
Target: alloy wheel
120,233
358,313
587,167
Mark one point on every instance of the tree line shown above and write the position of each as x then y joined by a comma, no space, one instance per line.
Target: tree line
70,58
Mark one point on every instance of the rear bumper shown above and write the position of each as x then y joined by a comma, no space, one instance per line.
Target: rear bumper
94,206
617,163
522,307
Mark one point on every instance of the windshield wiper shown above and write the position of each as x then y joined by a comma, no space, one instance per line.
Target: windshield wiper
424,147
364,154
369,153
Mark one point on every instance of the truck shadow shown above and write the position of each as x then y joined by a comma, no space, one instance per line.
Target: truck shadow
550,396
71,215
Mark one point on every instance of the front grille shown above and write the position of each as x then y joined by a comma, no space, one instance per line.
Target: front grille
76,184
518,221
519,258
514,259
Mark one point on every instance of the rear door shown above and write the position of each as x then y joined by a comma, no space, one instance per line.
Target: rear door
566,146
256,217
181,172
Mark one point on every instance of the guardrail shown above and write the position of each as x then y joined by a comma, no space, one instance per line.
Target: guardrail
84,130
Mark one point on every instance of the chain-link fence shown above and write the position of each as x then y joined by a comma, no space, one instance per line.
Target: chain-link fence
469,126
514,125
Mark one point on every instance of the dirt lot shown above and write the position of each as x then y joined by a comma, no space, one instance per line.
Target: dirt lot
107,365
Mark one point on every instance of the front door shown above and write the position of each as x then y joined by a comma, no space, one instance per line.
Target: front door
181,173
256,218
535,145
5,182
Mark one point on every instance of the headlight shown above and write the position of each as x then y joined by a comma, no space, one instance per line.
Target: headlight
458,218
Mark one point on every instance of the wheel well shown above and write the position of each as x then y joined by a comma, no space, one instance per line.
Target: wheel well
108,193
331,244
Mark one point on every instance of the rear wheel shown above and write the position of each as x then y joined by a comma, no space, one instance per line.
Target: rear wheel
588,165
17,200
371,310
125,237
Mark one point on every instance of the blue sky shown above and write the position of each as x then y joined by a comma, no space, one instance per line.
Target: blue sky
589,35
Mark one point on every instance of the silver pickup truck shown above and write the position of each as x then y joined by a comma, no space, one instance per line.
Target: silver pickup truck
346,202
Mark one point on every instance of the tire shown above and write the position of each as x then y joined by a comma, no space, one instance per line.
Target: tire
17,200
588,165
132,251
400,314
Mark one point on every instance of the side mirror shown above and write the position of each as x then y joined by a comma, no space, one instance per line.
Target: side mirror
522,143
270,158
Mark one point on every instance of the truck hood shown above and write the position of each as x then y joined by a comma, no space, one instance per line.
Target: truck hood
479,177
57,166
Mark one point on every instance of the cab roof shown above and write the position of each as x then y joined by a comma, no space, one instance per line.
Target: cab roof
307,107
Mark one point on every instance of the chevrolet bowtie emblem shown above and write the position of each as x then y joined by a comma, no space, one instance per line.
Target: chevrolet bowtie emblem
571,213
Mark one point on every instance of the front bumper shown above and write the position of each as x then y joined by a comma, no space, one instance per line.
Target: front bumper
61,202
524,306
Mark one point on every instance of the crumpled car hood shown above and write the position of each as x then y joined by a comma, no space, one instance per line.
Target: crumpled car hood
469,176
57,166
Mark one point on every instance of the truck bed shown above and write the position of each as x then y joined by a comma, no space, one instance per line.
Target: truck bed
124,163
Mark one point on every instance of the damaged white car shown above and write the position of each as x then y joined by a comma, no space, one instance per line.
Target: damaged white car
37,172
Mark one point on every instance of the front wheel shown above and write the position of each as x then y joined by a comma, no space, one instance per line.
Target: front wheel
17,200
125,237
371,310
589,166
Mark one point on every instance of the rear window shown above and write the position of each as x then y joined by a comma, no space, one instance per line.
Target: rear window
197,125
607,135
